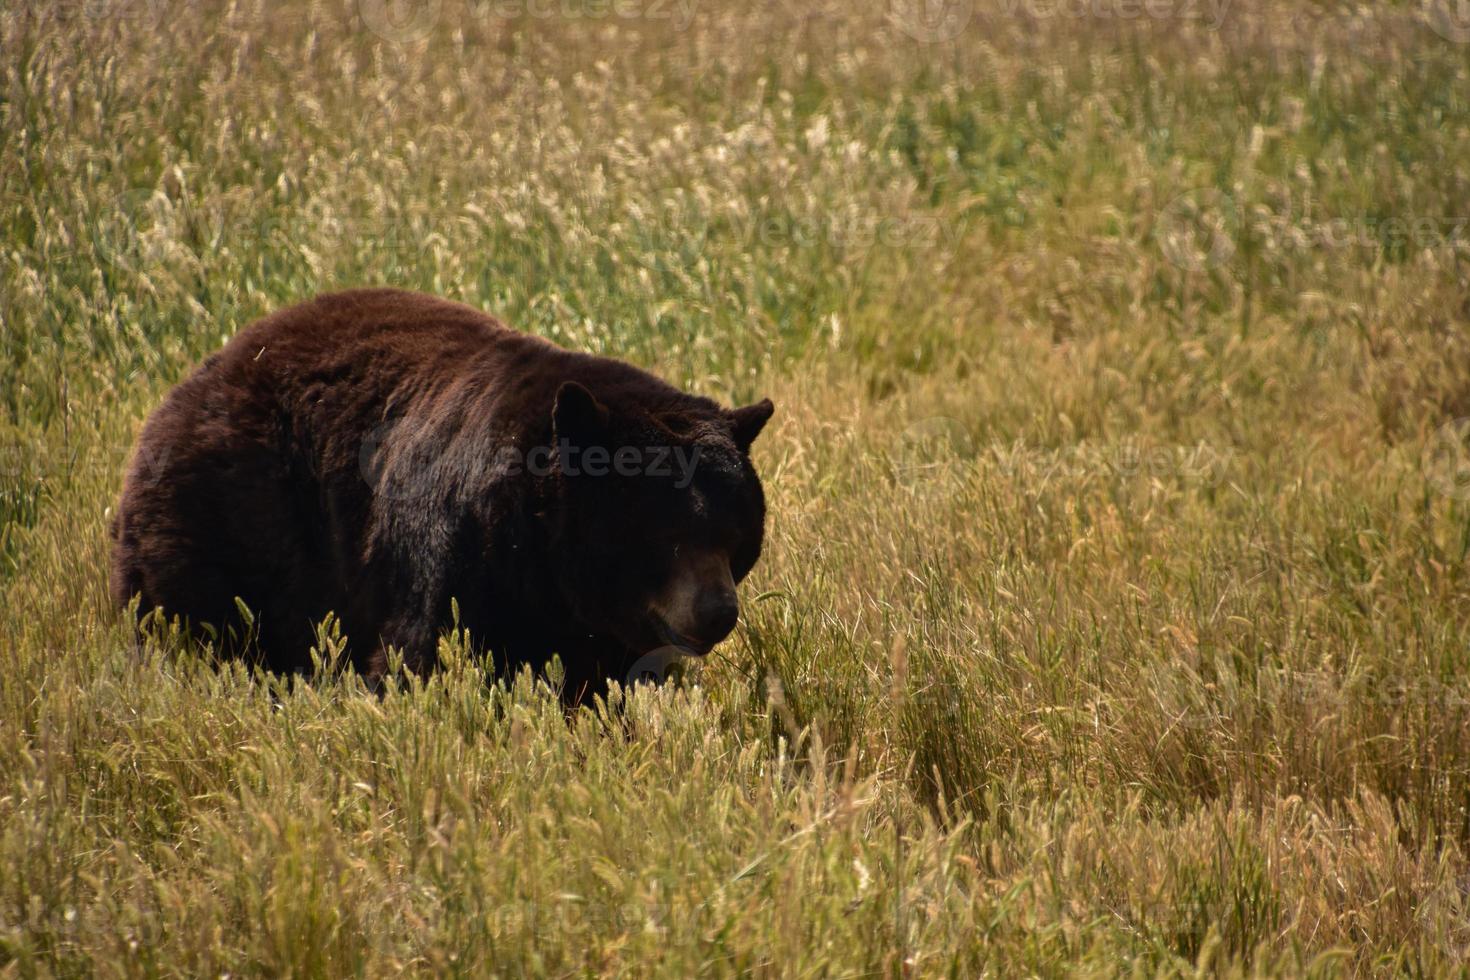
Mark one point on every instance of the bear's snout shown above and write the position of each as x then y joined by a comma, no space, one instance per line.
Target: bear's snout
698,607
715,613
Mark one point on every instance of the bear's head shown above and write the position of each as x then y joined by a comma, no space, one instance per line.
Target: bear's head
659,513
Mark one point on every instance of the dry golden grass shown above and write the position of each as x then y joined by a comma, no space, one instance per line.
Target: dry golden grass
1114,614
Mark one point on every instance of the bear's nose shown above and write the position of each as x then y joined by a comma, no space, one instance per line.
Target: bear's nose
716,612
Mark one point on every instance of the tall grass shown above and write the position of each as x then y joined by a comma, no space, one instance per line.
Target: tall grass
1115,609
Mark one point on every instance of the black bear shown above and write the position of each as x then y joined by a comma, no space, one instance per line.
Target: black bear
378,453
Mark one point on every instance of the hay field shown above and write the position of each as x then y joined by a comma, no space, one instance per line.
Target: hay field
1115,611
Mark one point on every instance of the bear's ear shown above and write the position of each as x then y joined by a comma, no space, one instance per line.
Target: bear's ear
749,421
578,416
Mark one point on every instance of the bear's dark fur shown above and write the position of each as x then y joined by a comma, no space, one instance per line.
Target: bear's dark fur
375,453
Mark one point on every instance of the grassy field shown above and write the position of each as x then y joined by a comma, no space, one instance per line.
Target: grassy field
1115,611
